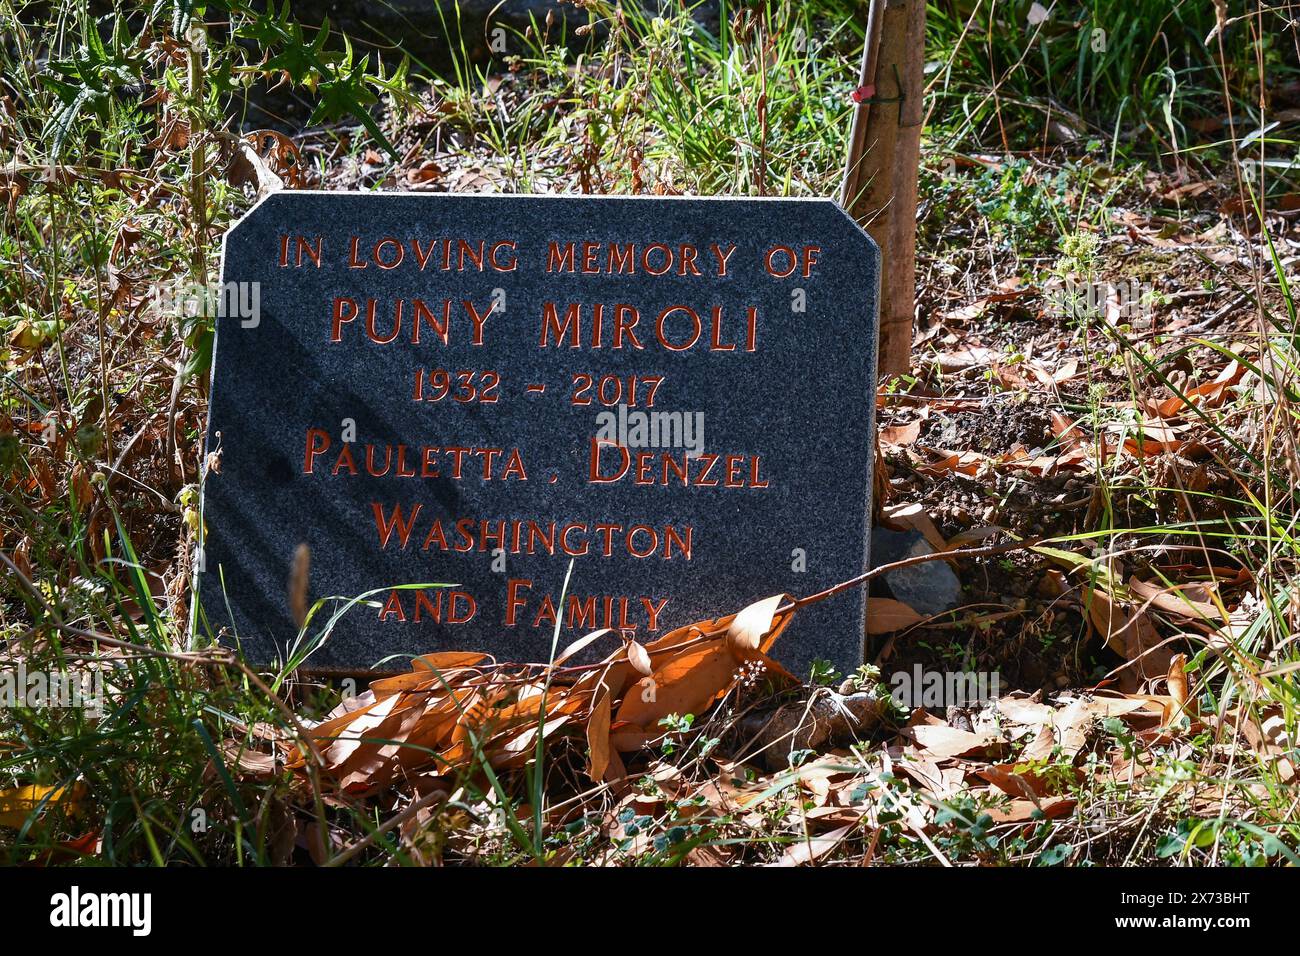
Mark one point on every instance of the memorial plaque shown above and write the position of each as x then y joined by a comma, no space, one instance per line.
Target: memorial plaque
676,395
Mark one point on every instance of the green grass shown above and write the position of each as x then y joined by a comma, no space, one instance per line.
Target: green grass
662,105
1137,71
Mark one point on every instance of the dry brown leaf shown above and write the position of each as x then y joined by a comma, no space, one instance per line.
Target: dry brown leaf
1067,370
16,805
517,750
1020,780
1041,747
639,659
1067,433
1026,711
901,435
1206,394
254,763
431,672
748,628
1072,723
810,850
1021,811
530,704
299,579
451,710
581,644
1150,656
447,660
966,463
1106,618
1052,584
1189,601
940,740
598,738
80,487
627,739
427,172
686,684
914,516
280,155
885,615
707,855
942,783
816,779
1176,681
1129,634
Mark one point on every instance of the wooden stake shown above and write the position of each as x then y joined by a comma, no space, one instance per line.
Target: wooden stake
883,158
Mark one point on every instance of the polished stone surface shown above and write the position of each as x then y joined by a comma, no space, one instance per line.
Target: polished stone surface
494,444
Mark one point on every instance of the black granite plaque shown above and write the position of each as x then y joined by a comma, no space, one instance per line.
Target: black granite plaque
674,394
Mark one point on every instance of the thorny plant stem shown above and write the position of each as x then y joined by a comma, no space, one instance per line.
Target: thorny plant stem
866,576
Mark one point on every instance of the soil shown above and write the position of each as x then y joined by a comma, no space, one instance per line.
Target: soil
994,428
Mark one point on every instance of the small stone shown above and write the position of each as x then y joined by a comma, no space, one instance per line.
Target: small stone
927,588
